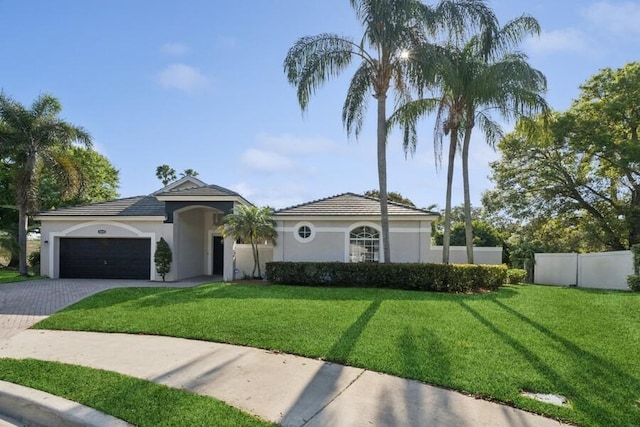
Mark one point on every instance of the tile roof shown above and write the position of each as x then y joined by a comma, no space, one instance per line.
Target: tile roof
131,206
349,204
206,190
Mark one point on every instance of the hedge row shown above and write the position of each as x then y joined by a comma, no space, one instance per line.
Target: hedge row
424,277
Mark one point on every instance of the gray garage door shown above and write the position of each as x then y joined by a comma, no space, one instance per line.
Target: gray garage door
92,258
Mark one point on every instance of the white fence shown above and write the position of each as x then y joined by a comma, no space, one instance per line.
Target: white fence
458,255
603,270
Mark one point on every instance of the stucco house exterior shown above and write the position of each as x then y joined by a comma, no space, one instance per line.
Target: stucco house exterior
117,239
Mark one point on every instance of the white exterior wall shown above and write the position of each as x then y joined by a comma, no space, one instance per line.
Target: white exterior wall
52,231
458,255
190,243
410,240
244,259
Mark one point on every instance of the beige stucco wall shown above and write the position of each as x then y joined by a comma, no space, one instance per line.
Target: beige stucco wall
556,269
410,240
52,231
244,259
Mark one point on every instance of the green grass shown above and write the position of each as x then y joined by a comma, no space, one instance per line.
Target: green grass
582,344
115,394
10,276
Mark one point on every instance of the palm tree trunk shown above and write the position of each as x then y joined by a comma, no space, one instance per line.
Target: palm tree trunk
258,260
382,175
446,238
23,223
255,260
468,225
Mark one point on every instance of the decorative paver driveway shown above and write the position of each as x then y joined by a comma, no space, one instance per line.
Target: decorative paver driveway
23,304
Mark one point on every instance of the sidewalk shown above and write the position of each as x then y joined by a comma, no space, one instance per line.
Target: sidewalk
286,389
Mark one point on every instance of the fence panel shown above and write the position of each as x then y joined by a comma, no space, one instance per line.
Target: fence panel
605,270
556,269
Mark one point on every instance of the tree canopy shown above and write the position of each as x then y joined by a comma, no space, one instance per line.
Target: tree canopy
580,167
31,140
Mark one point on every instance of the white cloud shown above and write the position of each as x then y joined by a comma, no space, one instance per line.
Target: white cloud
182,77
563,40
244,188
174,49
289,144
620,18
266,161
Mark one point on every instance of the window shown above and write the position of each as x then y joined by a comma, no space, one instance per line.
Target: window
304,232
364,244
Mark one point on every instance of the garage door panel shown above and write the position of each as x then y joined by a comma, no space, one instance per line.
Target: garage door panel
104,258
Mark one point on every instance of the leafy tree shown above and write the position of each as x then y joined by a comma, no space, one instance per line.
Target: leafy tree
470,80
97,177
30,138
392,196
253,225
581,167
391,29
166,174
163,258
189,172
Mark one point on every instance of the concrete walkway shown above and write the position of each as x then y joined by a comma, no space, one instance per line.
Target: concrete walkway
286,389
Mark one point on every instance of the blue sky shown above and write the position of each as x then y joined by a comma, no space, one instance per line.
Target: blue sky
200,84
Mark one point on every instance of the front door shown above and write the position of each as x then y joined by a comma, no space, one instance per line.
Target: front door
218,256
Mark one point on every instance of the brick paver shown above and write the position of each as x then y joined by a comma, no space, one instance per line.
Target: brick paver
23,304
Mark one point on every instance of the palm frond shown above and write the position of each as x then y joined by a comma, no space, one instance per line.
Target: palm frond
312,60
355,104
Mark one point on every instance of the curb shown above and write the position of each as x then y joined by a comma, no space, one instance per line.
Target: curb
36,408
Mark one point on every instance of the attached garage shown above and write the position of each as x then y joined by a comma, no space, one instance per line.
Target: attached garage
105,258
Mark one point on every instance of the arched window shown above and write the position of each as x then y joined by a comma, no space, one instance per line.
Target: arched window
364,244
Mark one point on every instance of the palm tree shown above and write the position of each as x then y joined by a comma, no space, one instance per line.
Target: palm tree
189,172
253,225
166,174
30,139
471,80
391,29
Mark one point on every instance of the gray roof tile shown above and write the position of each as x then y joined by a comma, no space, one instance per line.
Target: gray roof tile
349,204
207,190
131,206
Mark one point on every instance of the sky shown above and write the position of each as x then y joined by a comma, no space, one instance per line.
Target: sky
200,84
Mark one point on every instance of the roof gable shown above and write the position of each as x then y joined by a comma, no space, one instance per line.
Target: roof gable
350,204
182,183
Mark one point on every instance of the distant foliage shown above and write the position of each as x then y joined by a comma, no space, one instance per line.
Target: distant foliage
163,258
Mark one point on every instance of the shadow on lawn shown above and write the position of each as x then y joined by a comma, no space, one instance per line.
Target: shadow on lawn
159,297
587,367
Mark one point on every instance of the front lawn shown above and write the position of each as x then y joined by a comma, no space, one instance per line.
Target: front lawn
10,276
582,344
139,402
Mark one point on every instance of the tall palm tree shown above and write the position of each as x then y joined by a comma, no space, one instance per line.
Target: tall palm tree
471,80
29,139
253,225
391,29
166,174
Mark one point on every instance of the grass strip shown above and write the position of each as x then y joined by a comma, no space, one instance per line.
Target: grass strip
139,402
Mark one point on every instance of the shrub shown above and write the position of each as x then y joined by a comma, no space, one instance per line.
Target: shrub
163,258
516,275
425,277
34,262
634,282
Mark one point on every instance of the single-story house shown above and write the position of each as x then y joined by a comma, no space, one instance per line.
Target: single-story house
117,239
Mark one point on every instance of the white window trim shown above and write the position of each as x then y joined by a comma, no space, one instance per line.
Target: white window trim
304,224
